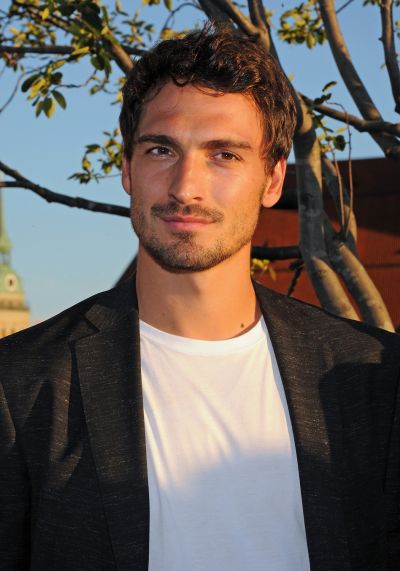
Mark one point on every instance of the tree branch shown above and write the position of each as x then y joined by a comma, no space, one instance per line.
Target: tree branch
386,8
257,13
58,50
121,57
312,243
237,17
358,282
331,177
276,253
350,76
74,202
13,92
358,123
212,12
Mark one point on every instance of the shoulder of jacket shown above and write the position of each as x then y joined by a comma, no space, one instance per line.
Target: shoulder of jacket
56,327
327,326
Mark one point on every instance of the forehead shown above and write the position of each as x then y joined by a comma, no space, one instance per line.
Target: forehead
203,112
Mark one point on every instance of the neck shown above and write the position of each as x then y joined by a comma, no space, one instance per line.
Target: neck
214,304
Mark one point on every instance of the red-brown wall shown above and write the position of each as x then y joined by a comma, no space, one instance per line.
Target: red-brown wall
377,209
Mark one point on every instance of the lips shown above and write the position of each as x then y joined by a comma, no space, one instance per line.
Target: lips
185,222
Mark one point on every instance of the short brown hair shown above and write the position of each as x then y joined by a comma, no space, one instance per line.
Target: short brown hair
221,59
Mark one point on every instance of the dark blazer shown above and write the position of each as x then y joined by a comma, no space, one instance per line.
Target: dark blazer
73,478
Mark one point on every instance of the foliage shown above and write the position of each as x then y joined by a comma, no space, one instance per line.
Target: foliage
261,267
302,24
329,139
91,30
111,157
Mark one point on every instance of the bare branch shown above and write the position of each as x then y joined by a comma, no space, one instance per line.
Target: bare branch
386,8
74,202
358,282
331,177
312,243
13,92
275,253
172,14
358,123
237,17
257,13
350,76
344,6
58,50
212,12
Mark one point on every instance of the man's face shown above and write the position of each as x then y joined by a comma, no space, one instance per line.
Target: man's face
197,178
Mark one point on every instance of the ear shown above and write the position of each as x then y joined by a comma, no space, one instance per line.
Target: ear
126,175
273,190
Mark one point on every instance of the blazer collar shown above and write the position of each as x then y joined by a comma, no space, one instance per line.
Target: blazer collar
107,352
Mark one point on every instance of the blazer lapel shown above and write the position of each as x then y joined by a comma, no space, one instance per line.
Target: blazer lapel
315,414
108,368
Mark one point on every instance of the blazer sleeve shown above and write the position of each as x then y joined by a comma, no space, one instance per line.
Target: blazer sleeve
392,490
14,496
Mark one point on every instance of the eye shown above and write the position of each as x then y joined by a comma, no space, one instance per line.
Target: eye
227,156
159,151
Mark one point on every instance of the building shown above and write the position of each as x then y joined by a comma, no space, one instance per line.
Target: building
377,210
14,314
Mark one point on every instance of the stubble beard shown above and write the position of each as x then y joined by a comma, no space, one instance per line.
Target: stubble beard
183,253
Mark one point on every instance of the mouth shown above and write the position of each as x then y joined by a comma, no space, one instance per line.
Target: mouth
185,223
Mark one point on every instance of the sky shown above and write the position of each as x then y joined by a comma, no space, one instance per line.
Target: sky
64,255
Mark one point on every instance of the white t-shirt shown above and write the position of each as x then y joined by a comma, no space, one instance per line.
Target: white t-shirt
222,469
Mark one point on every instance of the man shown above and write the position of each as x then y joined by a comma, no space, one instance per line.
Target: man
190,419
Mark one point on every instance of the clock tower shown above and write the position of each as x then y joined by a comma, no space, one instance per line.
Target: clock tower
14,314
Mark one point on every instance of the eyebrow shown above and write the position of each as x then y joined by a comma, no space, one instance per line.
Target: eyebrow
213,144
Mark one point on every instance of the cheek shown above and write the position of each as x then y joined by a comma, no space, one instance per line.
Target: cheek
240,193
149,183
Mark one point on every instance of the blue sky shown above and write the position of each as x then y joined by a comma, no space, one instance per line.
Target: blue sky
64,254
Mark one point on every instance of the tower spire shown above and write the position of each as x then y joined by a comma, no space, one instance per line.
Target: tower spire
5,243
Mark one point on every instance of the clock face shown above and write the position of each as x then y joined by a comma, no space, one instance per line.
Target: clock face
10,281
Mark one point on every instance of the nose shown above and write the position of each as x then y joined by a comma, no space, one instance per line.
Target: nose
188,180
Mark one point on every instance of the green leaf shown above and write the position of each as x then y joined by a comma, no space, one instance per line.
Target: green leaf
310,40
339,143
56,78
59,97
67,9
80,51
328,86
94,148
321,99
58,63
168,5
49,106
86,164
45,13
28,82
37,85
91,17
97,63
39,108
